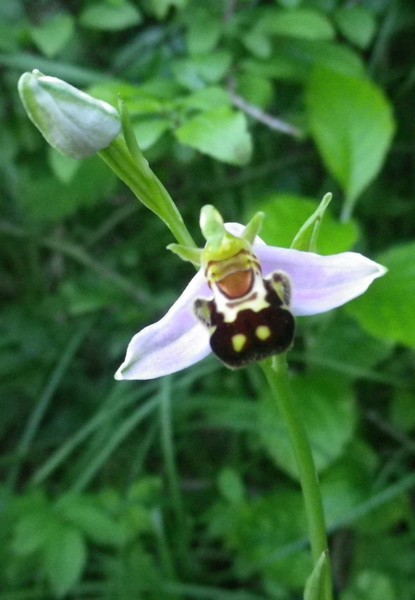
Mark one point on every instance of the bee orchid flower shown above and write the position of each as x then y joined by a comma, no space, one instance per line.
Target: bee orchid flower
242,301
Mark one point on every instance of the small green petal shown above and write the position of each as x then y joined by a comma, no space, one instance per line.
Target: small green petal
211,224
253,227
220,244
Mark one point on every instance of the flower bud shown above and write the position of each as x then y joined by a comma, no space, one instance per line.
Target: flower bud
73,122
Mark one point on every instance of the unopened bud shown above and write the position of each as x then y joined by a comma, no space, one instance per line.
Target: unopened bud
73,122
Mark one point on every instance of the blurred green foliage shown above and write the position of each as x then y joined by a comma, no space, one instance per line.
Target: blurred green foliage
185,488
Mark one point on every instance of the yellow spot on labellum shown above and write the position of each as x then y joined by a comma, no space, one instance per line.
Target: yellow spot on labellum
238,341
262,332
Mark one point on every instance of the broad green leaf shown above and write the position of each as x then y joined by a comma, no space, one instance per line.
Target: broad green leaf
231,485
370,585
255,89
295,59
47,199
203,30
302,23
327,407
286,213
357,24
110,15
221,133
85,514
52,36
346,484
261,531
258,43
402,410
387,309
299,23
149,131
63,166
213,66
64,558
358,353
31,531
207,98
210,68
160,8
351,123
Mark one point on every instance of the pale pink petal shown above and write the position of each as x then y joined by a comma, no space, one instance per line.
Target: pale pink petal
320,283
175,342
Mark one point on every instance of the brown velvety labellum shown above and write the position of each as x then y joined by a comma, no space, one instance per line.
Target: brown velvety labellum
238,284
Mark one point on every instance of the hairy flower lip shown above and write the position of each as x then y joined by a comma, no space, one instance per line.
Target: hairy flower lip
178,340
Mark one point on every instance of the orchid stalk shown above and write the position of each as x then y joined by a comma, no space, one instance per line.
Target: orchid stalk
241,304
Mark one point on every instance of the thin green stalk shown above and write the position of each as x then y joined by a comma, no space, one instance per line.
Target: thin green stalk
44,401
146,187
165,553
278,379
109,410
122,431
167,442
168,450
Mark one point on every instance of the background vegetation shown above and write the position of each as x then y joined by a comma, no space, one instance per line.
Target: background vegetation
184,487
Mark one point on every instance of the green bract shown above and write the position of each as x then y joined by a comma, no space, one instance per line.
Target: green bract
73,122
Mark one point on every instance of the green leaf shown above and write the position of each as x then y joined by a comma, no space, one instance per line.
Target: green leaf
160,8
352,124
299,23
63,166
195,72
214,66
31,532
261,531
294,59
295,24
347,483
203,31
255,89
221,133
327,407
231,485
64,558
88,516
150,131
205,99
369,585
357,24
387,309
110,15
286,213
402,410
52,36
47,199
358,353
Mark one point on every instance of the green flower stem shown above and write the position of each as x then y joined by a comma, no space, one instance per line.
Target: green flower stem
146,187
277,377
